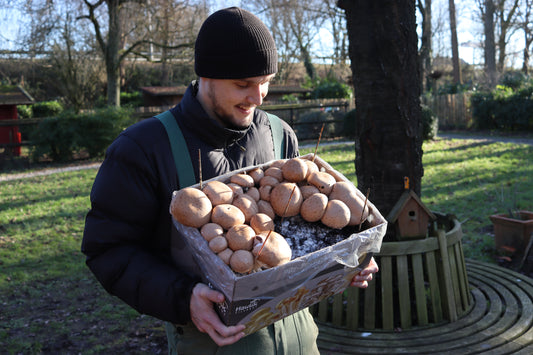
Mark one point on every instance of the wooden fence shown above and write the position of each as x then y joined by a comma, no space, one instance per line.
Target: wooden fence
289,112
453,111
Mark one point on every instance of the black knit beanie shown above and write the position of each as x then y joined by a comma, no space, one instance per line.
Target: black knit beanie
234,44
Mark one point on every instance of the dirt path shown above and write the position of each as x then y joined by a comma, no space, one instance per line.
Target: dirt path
48,171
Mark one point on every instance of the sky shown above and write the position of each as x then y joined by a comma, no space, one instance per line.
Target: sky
469,32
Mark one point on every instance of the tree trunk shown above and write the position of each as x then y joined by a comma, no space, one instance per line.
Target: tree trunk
383,52
112,54
525,64
528,36
490,46
426,47
457,77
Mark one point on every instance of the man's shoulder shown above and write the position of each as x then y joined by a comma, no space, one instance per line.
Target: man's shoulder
147,129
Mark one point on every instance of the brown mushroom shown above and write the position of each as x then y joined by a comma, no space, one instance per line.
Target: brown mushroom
269,180
275,251
286,199
294,170
336,215
218,244
313,207
261,222
225,255
242,261
247,205
240,236
227,216
244,180
308,190
266,208
322,180
346,192
257,174
275,173
253,192
218,192
211,230
264,192
191,207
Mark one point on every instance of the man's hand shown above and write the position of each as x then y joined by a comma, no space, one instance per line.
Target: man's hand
361,279
206,319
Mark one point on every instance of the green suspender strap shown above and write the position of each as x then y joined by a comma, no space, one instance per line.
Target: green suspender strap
180,152
278,138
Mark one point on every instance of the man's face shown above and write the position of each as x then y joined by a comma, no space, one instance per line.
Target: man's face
232,101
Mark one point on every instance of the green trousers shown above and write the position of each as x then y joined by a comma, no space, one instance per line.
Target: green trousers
295,334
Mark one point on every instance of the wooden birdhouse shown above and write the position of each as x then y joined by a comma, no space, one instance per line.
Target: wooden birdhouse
410,217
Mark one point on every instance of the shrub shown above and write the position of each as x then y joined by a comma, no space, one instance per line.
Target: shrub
47,109
331,89
25,111
290,98
131,99
348,130
430,123
513,79
453,88
309,124
54,137
504,109
60,137
97,130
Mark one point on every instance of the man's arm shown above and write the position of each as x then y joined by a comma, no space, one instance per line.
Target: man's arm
123,237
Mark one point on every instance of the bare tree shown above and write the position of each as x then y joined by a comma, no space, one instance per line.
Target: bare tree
527,28
426,47
457,77
488,10
77,74
294,25
383,52
114,44
507,20
337,21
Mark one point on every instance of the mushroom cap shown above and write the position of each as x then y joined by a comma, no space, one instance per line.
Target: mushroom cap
191,207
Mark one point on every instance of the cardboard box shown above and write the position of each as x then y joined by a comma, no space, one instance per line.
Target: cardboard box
261,298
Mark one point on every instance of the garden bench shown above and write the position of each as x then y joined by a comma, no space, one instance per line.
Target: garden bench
500,321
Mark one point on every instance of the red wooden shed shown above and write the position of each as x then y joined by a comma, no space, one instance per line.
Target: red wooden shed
10,97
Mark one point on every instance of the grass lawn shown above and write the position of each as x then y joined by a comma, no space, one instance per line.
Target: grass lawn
50,303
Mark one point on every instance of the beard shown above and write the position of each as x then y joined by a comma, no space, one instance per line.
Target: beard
225,117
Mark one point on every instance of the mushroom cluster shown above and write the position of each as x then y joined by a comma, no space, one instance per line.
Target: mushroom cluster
236,217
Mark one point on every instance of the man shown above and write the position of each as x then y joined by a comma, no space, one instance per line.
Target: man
127,236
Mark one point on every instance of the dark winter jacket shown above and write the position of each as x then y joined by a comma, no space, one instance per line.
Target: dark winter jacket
127,231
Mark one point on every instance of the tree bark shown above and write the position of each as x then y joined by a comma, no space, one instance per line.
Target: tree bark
426,47
112,53
528,35
490,46
457,77
383,53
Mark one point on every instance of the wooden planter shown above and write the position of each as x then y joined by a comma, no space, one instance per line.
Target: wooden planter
511,232
421,283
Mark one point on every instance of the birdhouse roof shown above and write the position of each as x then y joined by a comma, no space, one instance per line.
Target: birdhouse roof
402,201
14,95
